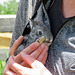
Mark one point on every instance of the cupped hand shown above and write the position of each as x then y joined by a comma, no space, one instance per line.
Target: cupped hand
35,50
37,68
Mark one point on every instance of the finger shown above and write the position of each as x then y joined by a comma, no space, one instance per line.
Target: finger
42,55
16,44
25,64
35,54
38,51
7,71
45,58
32,47
43,62
32,62
20,70
27,50
18,58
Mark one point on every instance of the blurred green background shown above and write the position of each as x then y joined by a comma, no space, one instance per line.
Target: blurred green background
8,7
8,10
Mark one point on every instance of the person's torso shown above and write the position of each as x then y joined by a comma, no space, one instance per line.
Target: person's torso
56,17
61,55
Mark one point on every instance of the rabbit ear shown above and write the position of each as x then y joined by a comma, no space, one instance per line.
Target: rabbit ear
28,28
45,18
31,23
42,16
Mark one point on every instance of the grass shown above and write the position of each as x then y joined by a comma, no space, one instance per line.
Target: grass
3,63
2,66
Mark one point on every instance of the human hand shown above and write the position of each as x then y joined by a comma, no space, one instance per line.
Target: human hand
35,50
37,68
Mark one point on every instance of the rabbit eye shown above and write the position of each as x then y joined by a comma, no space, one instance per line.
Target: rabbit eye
40,33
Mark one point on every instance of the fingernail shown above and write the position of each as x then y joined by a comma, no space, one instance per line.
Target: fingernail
21,36
42,45
37,43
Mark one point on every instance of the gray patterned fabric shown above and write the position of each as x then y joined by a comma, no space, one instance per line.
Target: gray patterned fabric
61,58
26,10
38,22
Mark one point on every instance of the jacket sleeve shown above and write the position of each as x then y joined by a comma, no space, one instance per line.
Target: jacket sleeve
24,12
